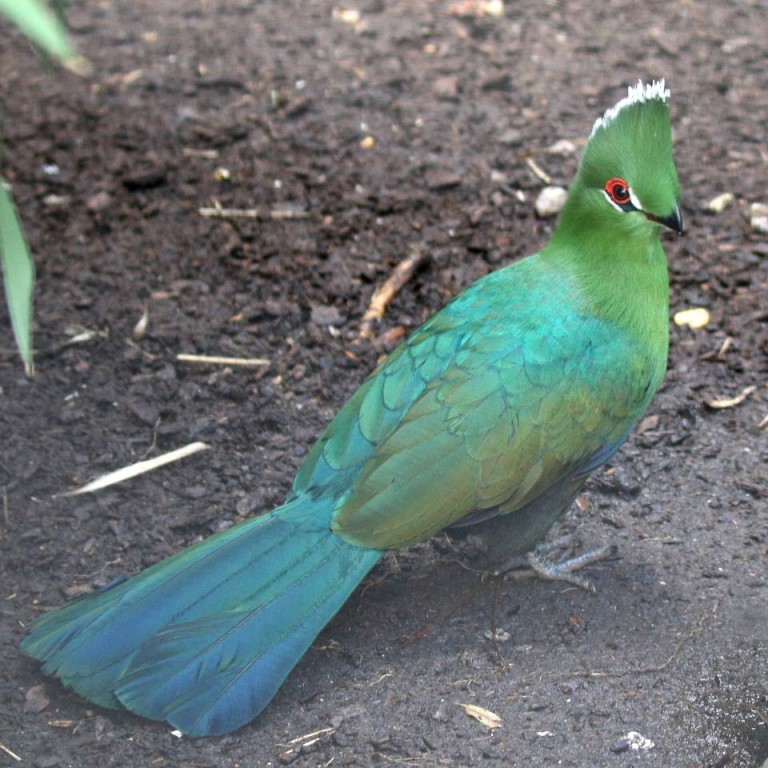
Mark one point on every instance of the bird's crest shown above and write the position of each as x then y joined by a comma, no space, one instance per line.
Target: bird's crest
636,94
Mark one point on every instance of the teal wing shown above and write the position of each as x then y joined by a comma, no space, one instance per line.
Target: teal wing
502,394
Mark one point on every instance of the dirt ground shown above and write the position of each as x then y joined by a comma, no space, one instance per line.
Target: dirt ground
357,139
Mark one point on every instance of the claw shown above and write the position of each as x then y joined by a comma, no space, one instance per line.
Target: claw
562,570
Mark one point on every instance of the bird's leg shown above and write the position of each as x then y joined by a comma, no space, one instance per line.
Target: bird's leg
540,562
563,570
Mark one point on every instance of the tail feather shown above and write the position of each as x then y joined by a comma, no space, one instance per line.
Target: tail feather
205,638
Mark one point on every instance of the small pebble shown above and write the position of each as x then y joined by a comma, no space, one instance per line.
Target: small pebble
438,180
99,202
550,202
758,217
719,203
56,201
622,745
35,699
326,315
347,15
634,741
511,137
695,317
562,147
446,87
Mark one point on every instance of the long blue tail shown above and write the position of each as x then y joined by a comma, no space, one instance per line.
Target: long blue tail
205,638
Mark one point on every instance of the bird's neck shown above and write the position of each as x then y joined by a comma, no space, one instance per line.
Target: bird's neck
621,271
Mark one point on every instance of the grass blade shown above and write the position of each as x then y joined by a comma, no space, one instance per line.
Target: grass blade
18,274
40,24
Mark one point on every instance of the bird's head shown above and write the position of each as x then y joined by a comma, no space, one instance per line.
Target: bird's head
627,174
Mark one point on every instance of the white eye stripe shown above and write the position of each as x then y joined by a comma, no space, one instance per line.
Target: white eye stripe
610,200
634,199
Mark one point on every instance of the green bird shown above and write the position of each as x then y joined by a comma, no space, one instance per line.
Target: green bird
492,414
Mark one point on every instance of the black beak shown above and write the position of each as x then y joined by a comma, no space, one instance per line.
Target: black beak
673,221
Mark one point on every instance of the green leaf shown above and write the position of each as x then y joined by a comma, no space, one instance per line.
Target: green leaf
19,275
40,24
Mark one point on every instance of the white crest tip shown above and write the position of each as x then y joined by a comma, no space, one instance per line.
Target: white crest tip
636,94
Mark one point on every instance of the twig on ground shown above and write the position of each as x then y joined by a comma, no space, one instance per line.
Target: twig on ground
285,211
482,715
9,752
730,402
538,171
217,360
139,468
313,735
384,294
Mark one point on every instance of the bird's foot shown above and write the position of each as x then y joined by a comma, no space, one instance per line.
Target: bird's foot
542,563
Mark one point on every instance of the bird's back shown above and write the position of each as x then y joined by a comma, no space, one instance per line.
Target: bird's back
514,385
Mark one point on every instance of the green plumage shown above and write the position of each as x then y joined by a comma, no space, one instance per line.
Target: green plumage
492,414
501,418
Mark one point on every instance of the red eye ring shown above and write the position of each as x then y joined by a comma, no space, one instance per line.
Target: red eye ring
618,190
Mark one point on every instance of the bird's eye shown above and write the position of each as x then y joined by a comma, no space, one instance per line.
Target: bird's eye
618,191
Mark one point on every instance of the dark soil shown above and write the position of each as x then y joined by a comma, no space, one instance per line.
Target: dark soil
109,174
